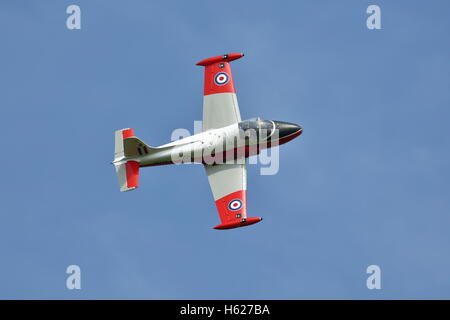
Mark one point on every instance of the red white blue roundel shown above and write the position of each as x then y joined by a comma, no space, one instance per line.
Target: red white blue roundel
221,78
235,204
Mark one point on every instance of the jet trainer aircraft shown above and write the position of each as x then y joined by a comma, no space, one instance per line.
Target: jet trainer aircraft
222,147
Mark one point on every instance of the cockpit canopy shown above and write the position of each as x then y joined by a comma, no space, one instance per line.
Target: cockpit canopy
257,128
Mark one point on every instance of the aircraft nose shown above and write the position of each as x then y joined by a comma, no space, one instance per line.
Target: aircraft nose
286,128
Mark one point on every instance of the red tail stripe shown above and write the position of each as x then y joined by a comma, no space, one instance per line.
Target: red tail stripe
127,133
132,168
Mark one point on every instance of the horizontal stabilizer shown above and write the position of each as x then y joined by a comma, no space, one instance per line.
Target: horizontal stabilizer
119,136
126,160
128,175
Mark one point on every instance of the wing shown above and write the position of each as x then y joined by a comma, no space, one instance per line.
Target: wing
220,106
228,184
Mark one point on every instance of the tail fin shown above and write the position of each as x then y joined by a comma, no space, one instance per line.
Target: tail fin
127,156
127,151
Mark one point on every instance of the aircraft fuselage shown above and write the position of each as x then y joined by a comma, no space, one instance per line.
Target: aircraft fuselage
217,146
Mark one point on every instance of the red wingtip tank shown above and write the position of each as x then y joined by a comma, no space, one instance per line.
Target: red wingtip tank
237,224
224,58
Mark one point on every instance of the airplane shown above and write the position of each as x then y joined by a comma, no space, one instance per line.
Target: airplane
222,147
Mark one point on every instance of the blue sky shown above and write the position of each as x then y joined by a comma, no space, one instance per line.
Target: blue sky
367,183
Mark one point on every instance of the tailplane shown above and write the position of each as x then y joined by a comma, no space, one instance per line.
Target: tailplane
128,175
128,149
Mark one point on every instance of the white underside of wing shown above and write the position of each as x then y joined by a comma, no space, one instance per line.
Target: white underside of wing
220,110
226,178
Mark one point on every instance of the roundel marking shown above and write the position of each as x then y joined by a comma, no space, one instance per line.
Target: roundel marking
235,204
221,78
